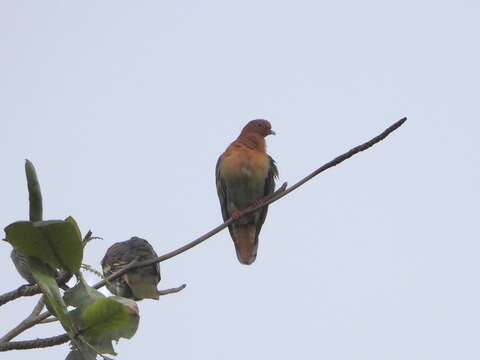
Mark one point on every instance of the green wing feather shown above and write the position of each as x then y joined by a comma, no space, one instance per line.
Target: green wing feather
269,189
143,286
222,193
221,190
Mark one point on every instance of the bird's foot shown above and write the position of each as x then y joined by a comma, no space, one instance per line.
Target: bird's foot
258,202
236,215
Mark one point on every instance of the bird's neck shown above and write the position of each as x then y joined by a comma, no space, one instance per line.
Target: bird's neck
253,141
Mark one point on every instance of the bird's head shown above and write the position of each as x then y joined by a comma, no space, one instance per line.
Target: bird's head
260,127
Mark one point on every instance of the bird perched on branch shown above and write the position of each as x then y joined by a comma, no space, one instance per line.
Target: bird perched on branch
23,268
139,283
245,173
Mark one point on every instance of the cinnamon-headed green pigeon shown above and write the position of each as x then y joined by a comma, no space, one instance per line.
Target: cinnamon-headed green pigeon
245,173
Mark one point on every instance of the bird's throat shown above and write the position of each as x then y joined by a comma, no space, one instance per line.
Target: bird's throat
253,141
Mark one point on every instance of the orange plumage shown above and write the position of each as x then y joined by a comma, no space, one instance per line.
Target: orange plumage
245,173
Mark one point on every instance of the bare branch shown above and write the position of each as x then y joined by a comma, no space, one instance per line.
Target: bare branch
42,316
25,324
49,320
39,307
172,290
34,344
30,290
24,290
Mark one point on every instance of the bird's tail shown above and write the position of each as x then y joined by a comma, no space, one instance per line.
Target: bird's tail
143,285
245,238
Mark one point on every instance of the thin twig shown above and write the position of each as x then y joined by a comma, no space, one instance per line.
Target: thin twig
172,290
277,195
88,237
30,290
26,323
49,320
39,307
40,318
24,290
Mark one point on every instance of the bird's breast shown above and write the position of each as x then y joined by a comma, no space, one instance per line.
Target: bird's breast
245,164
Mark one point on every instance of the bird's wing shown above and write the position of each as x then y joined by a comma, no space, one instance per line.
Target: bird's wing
143,281
221,190
222,194
269,189
150,254
143,285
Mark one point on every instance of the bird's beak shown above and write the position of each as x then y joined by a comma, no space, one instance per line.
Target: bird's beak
271,132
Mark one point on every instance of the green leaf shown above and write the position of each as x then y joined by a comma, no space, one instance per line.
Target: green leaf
85,354
56,242
50,289
82,295
109,319
103,346
76,316
72,221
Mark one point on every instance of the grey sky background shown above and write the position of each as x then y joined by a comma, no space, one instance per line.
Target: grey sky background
124,108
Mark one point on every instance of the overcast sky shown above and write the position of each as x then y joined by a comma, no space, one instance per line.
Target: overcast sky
124,108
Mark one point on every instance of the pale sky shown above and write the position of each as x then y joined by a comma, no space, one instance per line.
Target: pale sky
124,108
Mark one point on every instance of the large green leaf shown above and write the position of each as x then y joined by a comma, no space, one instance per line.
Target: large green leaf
82,295
56,242
103,346
100,319
50,289
109,319
85,354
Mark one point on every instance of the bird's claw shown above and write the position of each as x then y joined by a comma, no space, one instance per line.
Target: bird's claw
258,202
236,215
